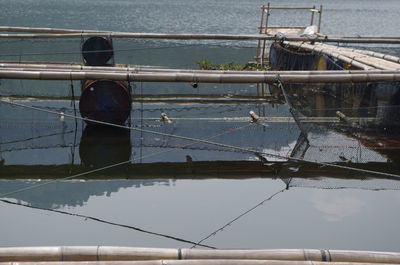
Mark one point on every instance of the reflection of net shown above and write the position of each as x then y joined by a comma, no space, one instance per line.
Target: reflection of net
366,130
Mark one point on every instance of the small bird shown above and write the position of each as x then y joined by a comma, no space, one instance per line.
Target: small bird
309,31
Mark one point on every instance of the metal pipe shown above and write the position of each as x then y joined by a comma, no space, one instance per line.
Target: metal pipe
200,37
312,16
138,69
269,256
348,56
290,8
197,77
319,19
379,55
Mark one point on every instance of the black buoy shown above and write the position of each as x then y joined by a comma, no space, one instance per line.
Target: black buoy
105,100
97,51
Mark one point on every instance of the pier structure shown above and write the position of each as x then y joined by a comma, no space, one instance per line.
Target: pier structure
354,58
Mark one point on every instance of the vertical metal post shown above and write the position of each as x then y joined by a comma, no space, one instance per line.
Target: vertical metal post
266,19
319,19
312,16
258,53
265,32
262,19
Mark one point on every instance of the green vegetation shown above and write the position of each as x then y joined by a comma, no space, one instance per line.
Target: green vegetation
207,65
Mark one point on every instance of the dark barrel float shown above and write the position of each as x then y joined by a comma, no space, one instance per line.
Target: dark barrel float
103,100
97,51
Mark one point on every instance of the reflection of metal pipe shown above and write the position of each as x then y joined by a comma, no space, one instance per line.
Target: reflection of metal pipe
104,146
105,100
320,104
201,169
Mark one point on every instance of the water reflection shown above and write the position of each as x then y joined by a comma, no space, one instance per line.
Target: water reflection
70,193
165,172
159,158
369,130
51,149
102,146
377,103
336,208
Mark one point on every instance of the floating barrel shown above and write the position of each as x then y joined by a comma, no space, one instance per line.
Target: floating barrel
105,100
97,51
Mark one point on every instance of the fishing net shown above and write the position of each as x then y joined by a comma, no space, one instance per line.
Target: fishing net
300,127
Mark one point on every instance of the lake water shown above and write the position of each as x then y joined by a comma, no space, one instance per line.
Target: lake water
176,187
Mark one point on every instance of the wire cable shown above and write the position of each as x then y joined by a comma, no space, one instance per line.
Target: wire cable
36,137
238,217
86,217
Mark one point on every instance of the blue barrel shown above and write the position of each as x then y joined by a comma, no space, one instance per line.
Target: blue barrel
105,100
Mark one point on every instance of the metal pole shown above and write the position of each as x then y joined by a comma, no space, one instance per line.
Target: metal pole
312,17
200,77
319,19
266,32
258,53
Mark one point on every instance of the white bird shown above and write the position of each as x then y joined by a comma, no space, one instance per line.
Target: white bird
309,31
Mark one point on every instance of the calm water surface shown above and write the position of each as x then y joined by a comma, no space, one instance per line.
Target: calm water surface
315,212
